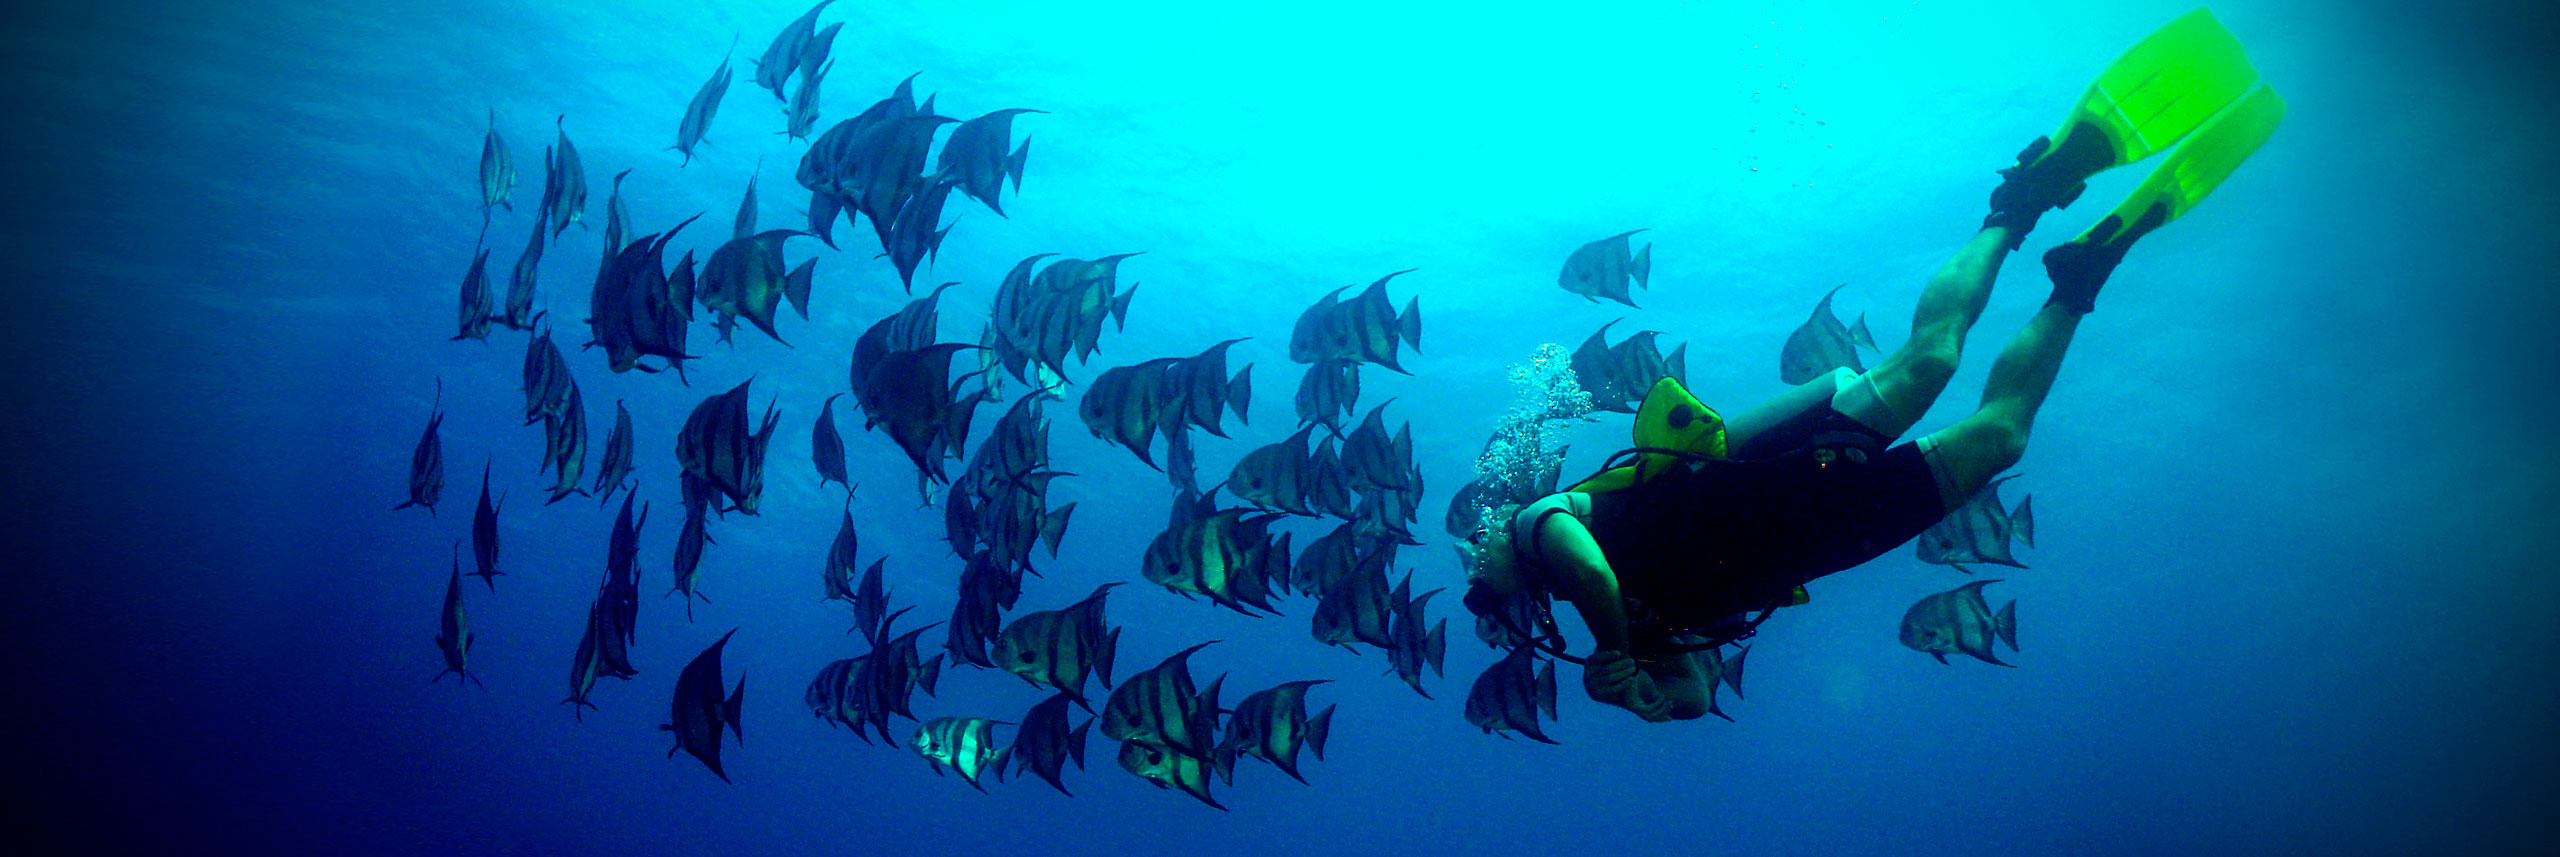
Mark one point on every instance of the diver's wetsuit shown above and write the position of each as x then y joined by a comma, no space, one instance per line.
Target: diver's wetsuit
1810,496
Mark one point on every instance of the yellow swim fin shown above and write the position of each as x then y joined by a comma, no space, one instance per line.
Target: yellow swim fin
2192,171
2149,98
1669,419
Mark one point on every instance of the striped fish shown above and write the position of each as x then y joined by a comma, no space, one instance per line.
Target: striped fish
1058,648
475,300
838,576
564,440
614,472
1602,268
977,615
1271,725
546,379
690,539
1822,344
705,104
497,168
565,183
782,57
1980,531
1169,768
826,448
1161,706
453,630
518,312
1328,392
1355,609
966,744
745,278
974,156
716,450
1411,649
484,535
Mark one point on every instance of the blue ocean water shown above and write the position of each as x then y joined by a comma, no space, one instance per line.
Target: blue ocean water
2291,490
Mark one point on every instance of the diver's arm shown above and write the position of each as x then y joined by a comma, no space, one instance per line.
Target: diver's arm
1584,578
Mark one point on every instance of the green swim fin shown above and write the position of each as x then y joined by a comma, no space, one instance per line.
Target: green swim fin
2199,165
2164,87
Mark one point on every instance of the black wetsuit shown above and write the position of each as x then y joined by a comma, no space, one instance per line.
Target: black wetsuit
1709,539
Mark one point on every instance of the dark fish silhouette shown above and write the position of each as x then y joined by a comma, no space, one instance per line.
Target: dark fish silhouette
911,327
1328,392
1271,725
1040,320
1356,608
588,664
1161,706
617,221
1960,621
1372,460
614,472
565,184
977,616
705,104
619,599
699,711
565,446
1331,557
1058,648
1328,489
813,55
497,168
802,115
838,576
871,604
966,745
915,233
1618,376
1043,744
484,535
1822,344
745,225
717,451
912,394
547,381
638,310
475,300
1410,649
453,632
1509,696
1602,268
1980,531
826,447
1366,328
1200,389
518,313
783,56
426,462
974,156
745,278
690,539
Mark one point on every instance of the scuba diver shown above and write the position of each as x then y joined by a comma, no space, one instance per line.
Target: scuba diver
1704,522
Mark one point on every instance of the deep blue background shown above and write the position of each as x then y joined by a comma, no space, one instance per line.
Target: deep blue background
2291,592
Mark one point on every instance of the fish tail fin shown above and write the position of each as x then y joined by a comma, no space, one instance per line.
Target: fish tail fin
2022,521
1409,325
1317,727
1240,393
729,710
2006,624
1546,691
928,674
1859,336
1120,306
1642,267
1076,742
1733,671
1110,651
1013,162
1435,645
795,288
1055,527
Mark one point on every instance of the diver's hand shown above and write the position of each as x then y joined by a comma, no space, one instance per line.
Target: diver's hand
1612,677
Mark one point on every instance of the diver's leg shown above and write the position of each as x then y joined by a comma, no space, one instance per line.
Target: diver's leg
1910,379
1969,453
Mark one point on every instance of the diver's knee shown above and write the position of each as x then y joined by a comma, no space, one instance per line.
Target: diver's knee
2002,442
